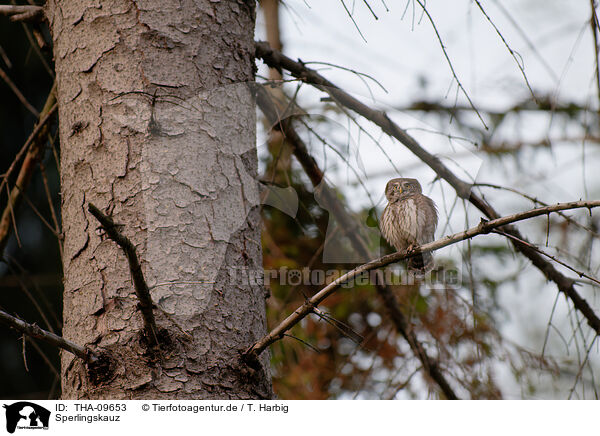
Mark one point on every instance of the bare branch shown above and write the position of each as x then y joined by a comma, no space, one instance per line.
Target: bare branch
276,59
18,93
35,147
484,227
273,114
141,288
36,332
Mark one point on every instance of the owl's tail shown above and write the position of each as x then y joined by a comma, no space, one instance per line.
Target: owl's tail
421,264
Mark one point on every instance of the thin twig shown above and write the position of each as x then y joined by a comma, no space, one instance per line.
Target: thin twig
543,253
594,26
44,357
36,48
57,230
32,157
141,288
24,352
32,137
484,227
10,216
343,328
458,82
5,58
35,300
581,366
536,201
302,341
18,93
38,213
509,17
370,9
350,70
510,50
353,21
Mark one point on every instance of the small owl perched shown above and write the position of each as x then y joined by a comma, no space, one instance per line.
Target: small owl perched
409,220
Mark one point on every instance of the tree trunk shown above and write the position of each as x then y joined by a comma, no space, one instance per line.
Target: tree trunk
157,129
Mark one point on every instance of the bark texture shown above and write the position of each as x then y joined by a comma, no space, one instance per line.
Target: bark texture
157,128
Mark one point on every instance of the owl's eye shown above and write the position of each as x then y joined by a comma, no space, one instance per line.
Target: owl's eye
405,185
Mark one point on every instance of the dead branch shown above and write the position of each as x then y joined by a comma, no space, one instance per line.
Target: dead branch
348,226
565,284
35,331
141,288
484,227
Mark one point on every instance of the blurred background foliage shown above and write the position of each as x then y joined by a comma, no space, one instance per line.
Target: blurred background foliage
31,269
350,349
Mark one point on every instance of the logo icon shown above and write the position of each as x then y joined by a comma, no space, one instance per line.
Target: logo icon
26,415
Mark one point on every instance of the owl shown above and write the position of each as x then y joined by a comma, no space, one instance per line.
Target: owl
409,220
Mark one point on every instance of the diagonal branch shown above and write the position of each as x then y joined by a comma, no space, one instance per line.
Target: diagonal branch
516,56
565,284
18,93
454,75
578,272
35,142
35,331
594,26
484,227
141,288
348,226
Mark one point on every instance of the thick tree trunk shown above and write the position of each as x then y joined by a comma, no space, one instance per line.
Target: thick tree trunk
157,129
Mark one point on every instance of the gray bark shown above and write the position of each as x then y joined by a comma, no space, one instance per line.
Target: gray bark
157,129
